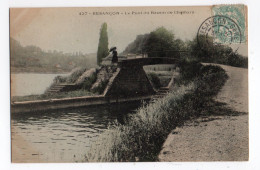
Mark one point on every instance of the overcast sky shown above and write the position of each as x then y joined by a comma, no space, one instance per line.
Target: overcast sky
63,29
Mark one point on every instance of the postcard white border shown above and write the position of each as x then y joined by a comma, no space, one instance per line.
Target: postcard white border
254,84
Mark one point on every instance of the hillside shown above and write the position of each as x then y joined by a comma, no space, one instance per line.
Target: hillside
34,59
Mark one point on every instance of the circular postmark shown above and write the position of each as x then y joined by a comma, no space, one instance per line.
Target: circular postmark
218,29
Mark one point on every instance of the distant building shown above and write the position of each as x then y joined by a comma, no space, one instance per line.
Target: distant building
58,66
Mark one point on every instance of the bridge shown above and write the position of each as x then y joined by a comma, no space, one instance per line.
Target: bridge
130,78
128,83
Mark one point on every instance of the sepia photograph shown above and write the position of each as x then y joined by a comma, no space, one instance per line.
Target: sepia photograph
129,84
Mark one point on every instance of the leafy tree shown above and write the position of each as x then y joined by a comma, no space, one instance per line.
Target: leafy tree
206,51
158,43
162,43
103,44
138,45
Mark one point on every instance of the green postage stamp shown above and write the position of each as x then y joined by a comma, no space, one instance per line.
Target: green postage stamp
227,25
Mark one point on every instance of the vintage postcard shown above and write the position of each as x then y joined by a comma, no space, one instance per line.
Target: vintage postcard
129,84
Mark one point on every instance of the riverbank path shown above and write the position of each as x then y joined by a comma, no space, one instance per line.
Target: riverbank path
215,138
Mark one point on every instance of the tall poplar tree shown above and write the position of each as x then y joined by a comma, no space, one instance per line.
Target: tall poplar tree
103,44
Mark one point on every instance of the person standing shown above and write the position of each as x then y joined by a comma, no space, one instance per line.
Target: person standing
115,57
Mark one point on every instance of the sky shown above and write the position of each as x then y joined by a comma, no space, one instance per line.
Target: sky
64,29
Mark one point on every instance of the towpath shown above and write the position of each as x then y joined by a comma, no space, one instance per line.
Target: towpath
215,138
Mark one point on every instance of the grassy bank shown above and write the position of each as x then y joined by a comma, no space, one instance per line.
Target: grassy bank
142,137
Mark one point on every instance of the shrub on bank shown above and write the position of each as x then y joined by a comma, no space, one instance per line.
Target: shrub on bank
87,84
189,69
138,139
70,78
75,75
100,88
142,137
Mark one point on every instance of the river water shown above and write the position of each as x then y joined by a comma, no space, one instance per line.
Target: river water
23,84
64,135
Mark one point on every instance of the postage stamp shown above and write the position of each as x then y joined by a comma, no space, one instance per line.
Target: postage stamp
225,26
219,29
237,18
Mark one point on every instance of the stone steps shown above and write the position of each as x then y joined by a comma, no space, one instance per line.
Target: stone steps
161,92
58,87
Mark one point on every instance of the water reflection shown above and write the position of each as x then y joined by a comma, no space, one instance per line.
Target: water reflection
64,135
23,84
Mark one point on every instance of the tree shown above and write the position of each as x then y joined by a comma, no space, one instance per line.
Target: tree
158,43
205,50
103,44
160,40
138,45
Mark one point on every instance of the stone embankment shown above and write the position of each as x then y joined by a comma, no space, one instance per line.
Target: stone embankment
113,84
